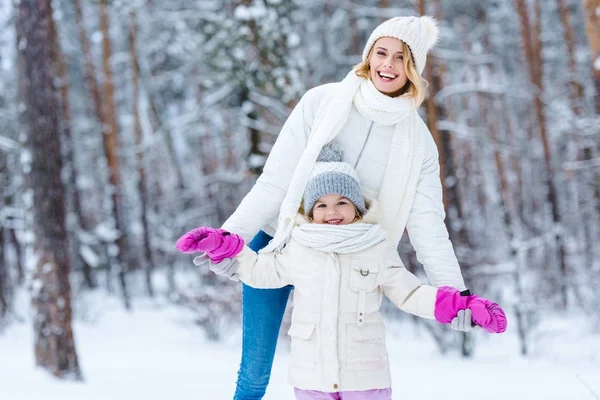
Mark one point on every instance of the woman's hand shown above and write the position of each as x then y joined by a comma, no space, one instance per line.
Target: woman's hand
487,314
449,304
218,244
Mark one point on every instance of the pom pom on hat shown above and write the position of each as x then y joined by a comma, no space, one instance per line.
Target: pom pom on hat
432,31
331,152
419,33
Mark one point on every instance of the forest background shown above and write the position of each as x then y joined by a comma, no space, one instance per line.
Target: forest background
123,124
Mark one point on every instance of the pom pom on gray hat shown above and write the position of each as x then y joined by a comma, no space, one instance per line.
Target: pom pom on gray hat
419,33
331,152
331,175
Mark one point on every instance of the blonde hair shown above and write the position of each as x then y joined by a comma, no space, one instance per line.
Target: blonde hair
415,85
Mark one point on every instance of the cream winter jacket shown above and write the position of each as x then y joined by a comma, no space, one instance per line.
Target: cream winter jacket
337,333
366,146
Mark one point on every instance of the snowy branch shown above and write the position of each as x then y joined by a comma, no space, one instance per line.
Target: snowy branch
9,144
473,59
276,107
260,126
582,165
360,10
469,88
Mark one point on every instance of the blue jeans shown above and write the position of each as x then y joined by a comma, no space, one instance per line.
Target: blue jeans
262,312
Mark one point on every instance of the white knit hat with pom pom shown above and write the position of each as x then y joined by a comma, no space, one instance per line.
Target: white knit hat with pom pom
419,33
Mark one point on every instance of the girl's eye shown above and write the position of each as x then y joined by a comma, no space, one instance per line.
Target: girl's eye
342,203
321,206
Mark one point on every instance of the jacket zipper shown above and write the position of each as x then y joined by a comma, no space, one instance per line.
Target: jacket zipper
364,145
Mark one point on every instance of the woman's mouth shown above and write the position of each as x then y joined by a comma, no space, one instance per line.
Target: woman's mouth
386,76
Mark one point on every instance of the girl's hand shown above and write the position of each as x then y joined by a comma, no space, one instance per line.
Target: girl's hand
218,244
228,267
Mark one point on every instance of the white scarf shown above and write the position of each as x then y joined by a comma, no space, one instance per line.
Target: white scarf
400,176
341,239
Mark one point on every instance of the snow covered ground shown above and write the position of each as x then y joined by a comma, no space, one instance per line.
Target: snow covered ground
156,353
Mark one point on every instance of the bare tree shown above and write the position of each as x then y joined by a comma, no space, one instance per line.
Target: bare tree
531,36
4,282
111,145
51,294
78,220
105,110
592,30
139,141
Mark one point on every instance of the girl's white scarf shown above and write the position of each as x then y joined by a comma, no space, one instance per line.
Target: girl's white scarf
341,239
400,177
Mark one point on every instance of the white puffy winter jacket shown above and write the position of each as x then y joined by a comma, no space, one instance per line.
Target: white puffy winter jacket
366,146
337,333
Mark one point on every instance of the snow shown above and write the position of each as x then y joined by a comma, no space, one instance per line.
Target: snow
156,352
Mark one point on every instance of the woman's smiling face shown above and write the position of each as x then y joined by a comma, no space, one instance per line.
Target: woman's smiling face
386,66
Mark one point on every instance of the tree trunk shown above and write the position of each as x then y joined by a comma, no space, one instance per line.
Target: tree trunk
51,294
12,238
576,152
89,69
592,31
79,263
383,5
111,144
3,280
149,267
575,87
533,48
3,267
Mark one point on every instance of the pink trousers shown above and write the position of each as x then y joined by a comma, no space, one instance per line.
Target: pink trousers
373,394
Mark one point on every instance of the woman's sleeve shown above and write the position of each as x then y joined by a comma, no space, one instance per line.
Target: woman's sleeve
263,271
263,201
426,228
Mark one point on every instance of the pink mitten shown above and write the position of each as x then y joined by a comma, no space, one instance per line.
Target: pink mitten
188,243
218,244
488,315
230,245
448,302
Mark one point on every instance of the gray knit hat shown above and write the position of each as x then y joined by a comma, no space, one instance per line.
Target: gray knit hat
331,175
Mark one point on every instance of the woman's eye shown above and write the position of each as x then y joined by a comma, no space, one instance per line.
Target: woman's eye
400,58
381,53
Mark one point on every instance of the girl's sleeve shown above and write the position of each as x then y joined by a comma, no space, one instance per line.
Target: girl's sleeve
426,228
404,289
263,202
263,271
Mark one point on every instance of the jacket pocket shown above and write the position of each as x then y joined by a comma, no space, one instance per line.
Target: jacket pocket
303,346
363,276
365,347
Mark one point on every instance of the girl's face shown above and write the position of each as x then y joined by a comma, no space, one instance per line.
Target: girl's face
386,66
333,209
